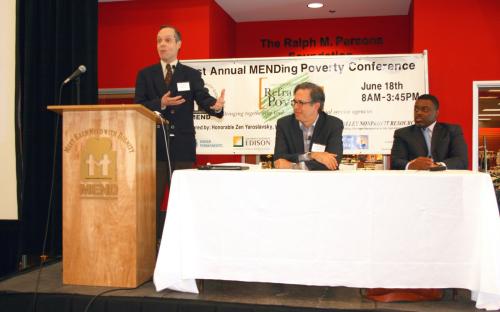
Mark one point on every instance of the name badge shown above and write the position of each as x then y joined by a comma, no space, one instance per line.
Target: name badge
318,148
183,86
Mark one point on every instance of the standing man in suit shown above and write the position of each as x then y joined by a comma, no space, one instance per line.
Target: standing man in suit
309,138
171,88
428,143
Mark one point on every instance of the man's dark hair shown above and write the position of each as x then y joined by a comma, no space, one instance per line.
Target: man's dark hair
317,94
430,97
177,33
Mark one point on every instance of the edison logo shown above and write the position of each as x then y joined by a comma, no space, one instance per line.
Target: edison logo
98,168
237,141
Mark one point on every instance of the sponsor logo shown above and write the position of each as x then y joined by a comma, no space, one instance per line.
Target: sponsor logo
274,99
98,169
238,141
355,142
251,143
257,142
208,143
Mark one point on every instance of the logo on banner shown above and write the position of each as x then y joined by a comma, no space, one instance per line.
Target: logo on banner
355,142
275,98
237,141
98,168
257,143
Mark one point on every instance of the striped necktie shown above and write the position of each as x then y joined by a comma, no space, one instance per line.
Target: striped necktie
168,76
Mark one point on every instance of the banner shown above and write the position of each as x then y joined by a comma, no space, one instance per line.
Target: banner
373,95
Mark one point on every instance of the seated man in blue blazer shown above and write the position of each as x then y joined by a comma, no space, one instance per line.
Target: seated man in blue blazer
428,143
309,138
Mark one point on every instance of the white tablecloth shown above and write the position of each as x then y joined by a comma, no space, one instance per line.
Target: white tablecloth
391,229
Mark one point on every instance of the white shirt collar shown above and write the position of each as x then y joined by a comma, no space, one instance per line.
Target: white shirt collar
431,126
164,66
313,124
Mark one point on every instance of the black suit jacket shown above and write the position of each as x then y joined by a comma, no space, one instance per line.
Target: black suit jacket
290,143
150,87
447,145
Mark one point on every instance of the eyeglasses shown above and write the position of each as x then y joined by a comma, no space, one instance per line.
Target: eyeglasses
295,102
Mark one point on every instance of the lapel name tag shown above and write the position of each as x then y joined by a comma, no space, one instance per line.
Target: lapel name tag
318,148
183,86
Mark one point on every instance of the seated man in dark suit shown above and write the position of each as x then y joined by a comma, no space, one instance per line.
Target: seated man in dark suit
428,143
309,138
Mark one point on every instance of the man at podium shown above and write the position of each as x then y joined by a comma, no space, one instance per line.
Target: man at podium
171,88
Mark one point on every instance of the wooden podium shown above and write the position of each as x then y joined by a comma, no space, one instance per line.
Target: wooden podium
109,185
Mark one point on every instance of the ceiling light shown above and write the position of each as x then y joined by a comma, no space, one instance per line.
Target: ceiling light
487,97
491,110
315,5
494,90
484,119
489,115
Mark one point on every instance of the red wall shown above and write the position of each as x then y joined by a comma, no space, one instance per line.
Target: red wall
463,44
127,35
222,33
393,29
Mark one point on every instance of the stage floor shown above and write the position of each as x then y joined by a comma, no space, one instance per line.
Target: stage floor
241,292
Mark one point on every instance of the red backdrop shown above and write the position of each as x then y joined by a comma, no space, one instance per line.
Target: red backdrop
393,29
127,35
463,44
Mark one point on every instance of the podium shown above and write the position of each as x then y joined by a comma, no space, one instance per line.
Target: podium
109,185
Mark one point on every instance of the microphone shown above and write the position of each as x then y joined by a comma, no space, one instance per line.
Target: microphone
80,70
163,120
165,138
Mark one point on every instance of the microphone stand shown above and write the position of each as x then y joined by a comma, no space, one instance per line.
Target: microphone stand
77,82
166,137
43,255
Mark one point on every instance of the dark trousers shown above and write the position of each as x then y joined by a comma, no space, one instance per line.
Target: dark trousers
162,179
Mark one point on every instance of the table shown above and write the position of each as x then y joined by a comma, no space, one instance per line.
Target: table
365,229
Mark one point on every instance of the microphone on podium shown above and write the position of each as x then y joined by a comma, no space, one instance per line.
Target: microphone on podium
80,70
162,119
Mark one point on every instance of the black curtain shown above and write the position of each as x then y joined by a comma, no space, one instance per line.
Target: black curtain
54,37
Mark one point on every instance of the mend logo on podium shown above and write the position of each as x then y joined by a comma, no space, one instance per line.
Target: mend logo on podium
98,168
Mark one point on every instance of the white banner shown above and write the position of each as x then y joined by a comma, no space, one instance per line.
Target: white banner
373,95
